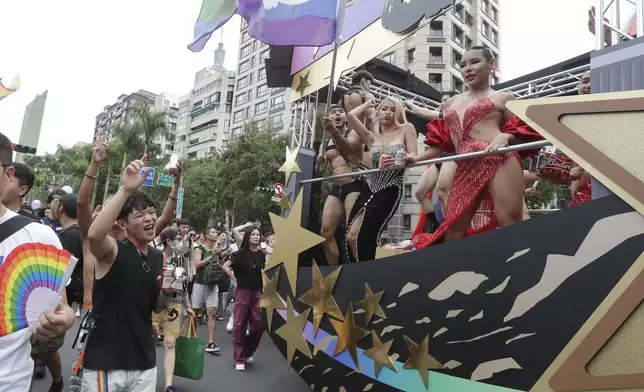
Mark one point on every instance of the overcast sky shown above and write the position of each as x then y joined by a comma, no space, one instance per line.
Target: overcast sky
87,53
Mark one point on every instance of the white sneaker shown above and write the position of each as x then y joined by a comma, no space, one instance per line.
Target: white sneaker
241,367
78,313
250,360
229,326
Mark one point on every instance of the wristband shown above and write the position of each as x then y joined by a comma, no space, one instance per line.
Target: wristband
90,176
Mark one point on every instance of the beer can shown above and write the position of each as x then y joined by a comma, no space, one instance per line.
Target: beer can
173,164
400,158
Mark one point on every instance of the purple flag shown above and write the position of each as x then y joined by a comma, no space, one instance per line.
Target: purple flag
291,22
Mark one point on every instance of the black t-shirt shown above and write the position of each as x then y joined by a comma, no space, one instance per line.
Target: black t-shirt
124,300
248,266
70,239
29,215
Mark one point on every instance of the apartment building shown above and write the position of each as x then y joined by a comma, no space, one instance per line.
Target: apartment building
168,103
433,54
253,100
121,112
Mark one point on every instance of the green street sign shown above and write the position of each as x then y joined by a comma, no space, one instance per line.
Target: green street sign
180,202
165,179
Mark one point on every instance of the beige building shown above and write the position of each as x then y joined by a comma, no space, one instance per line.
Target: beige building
121,112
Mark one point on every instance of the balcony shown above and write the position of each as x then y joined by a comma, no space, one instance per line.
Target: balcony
277,107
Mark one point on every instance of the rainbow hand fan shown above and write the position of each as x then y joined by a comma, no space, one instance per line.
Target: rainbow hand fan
32,279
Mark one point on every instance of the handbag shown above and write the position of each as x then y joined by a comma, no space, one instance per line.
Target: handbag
189,354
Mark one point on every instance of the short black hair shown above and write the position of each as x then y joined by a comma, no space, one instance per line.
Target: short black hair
69,202
139,200
25,175
358,76
487,52
169,234
6,150
183,221
53,194
336,106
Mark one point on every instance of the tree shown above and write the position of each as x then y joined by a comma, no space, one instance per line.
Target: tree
150,125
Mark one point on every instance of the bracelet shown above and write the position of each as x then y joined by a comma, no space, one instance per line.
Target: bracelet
90,176
173,198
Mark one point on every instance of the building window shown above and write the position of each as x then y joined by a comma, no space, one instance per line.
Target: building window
261,74
240,99
247,113
264,55
456,59
458,34
407,192
436,81
260,108
486,6
436,29
407,222
495,15
436,55
411,55
277,103
389,57
229,108
245,36
244,24
231,80
495,37
238,116
485,29
245,51
276,122
262,91
229,96
243,67
242,82
237,131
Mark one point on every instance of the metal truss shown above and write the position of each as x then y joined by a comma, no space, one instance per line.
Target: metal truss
560,83
610,17
303,117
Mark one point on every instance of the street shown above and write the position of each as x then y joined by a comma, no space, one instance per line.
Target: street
269,372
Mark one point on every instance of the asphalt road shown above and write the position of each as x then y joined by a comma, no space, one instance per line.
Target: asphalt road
268,373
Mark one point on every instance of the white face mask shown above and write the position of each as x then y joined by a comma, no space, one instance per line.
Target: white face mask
175,244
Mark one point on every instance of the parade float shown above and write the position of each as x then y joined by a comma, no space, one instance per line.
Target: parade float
549,304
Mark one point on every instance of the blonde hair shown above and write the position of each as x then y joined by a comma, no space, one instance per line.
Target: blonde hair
400,118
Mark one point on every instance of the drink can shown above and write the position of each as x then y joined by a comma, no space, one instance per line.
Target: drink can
173,164
400,158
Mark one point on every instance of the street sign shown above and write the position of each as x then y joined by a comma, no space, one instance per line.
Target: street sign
275,198
278,190
165,179
149,180
180,203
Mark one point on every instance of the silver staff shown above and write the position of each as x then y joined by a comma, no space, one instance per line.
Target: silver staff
450,158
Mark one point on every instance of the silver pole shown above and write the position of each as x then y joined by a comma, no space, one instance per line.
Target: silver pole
599,24
639,19
451,158
329,95
616,20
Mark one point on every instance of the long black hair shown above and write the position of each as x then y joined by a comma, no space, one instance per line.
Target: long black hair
245,244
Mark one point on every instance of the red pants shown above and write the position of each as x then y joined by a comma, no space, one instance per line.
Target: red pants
246,313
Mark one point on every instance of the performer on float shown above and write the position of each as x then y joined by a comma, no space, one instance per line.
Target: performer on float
394,140
357,95
342,152
478,120
434,178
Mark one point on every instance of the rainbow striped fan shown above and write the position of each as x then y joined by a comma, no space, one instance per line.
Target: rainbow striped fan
32,279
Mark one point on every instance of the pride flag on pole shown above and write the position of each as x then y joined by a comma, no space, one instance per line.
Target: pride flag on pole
275,22
13,87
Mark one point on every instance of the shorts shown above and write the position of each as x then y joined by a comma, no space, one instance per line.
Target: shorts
170,319
120,380
50,346
342,191
207,294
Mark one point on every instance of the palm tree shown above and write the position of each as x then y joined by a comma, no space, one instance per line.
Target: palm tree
150,125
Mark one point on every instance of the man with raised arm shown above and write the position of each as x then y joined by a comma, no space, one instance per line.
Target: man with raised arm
120,353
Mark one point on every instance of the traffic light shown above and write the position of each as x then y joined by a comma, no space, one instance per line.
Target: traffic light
262,189
23,149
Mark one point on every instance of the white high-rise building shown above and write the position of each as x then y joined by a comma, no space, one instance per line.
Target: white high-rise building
203,123
434,54
253,100
169,103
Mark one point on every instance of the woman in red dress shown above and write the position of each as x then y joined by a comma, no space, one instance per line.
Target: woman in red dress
478,120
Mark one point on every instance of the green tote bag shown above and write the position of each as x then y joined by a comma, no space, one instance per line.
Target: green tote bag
189,354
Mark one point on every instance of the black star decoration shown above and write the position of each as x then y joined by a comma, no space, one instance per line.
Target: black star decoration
304,83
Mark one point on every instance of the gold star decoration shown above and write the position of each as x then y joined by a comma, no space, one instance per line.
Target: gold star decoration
290,164
343,62
348,335
304,83
285,203
270,298
420,359
291,332
291,240
379,353
320,296
371,304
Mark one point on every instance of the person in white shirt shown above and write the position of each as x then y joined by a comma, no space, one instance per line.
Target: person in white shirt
16,367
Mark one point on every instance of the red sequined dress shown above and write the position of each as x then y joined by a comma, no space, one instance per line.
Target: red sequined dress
472,175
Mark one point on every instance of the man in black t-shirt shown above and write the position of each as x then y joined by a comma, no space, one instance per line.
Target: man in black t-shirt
50,218
70,238
120,349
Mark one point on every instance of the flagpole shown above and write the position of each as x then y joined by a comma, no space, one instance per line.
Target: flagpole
329,95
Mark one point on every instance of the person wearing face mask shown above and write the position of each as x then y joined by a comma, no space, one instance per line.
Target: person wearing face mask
169,321
379,201
478,120
245,266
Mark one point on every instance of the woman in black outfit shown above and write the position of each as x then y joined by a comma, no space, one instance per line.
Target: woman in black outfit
247,265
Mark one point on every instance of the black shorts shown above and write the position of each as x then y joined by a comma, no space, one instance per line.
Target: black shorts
342,191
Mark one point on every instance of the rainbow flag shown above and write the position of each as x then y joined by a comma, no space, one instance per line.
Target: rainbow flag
275,22
13,87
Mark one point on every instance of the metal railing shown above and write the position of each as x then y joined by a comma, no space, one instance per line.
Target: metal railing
450,158
610,17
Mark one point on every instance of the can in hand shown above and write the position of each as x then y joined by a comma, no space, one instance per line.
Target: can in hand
400,158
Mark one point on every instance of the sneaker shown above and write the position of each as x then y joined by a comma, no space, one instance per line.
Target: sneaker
160,338
78,313
57,386
220,318
199,320
213,348
250,360
229,326
170,388
240,366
